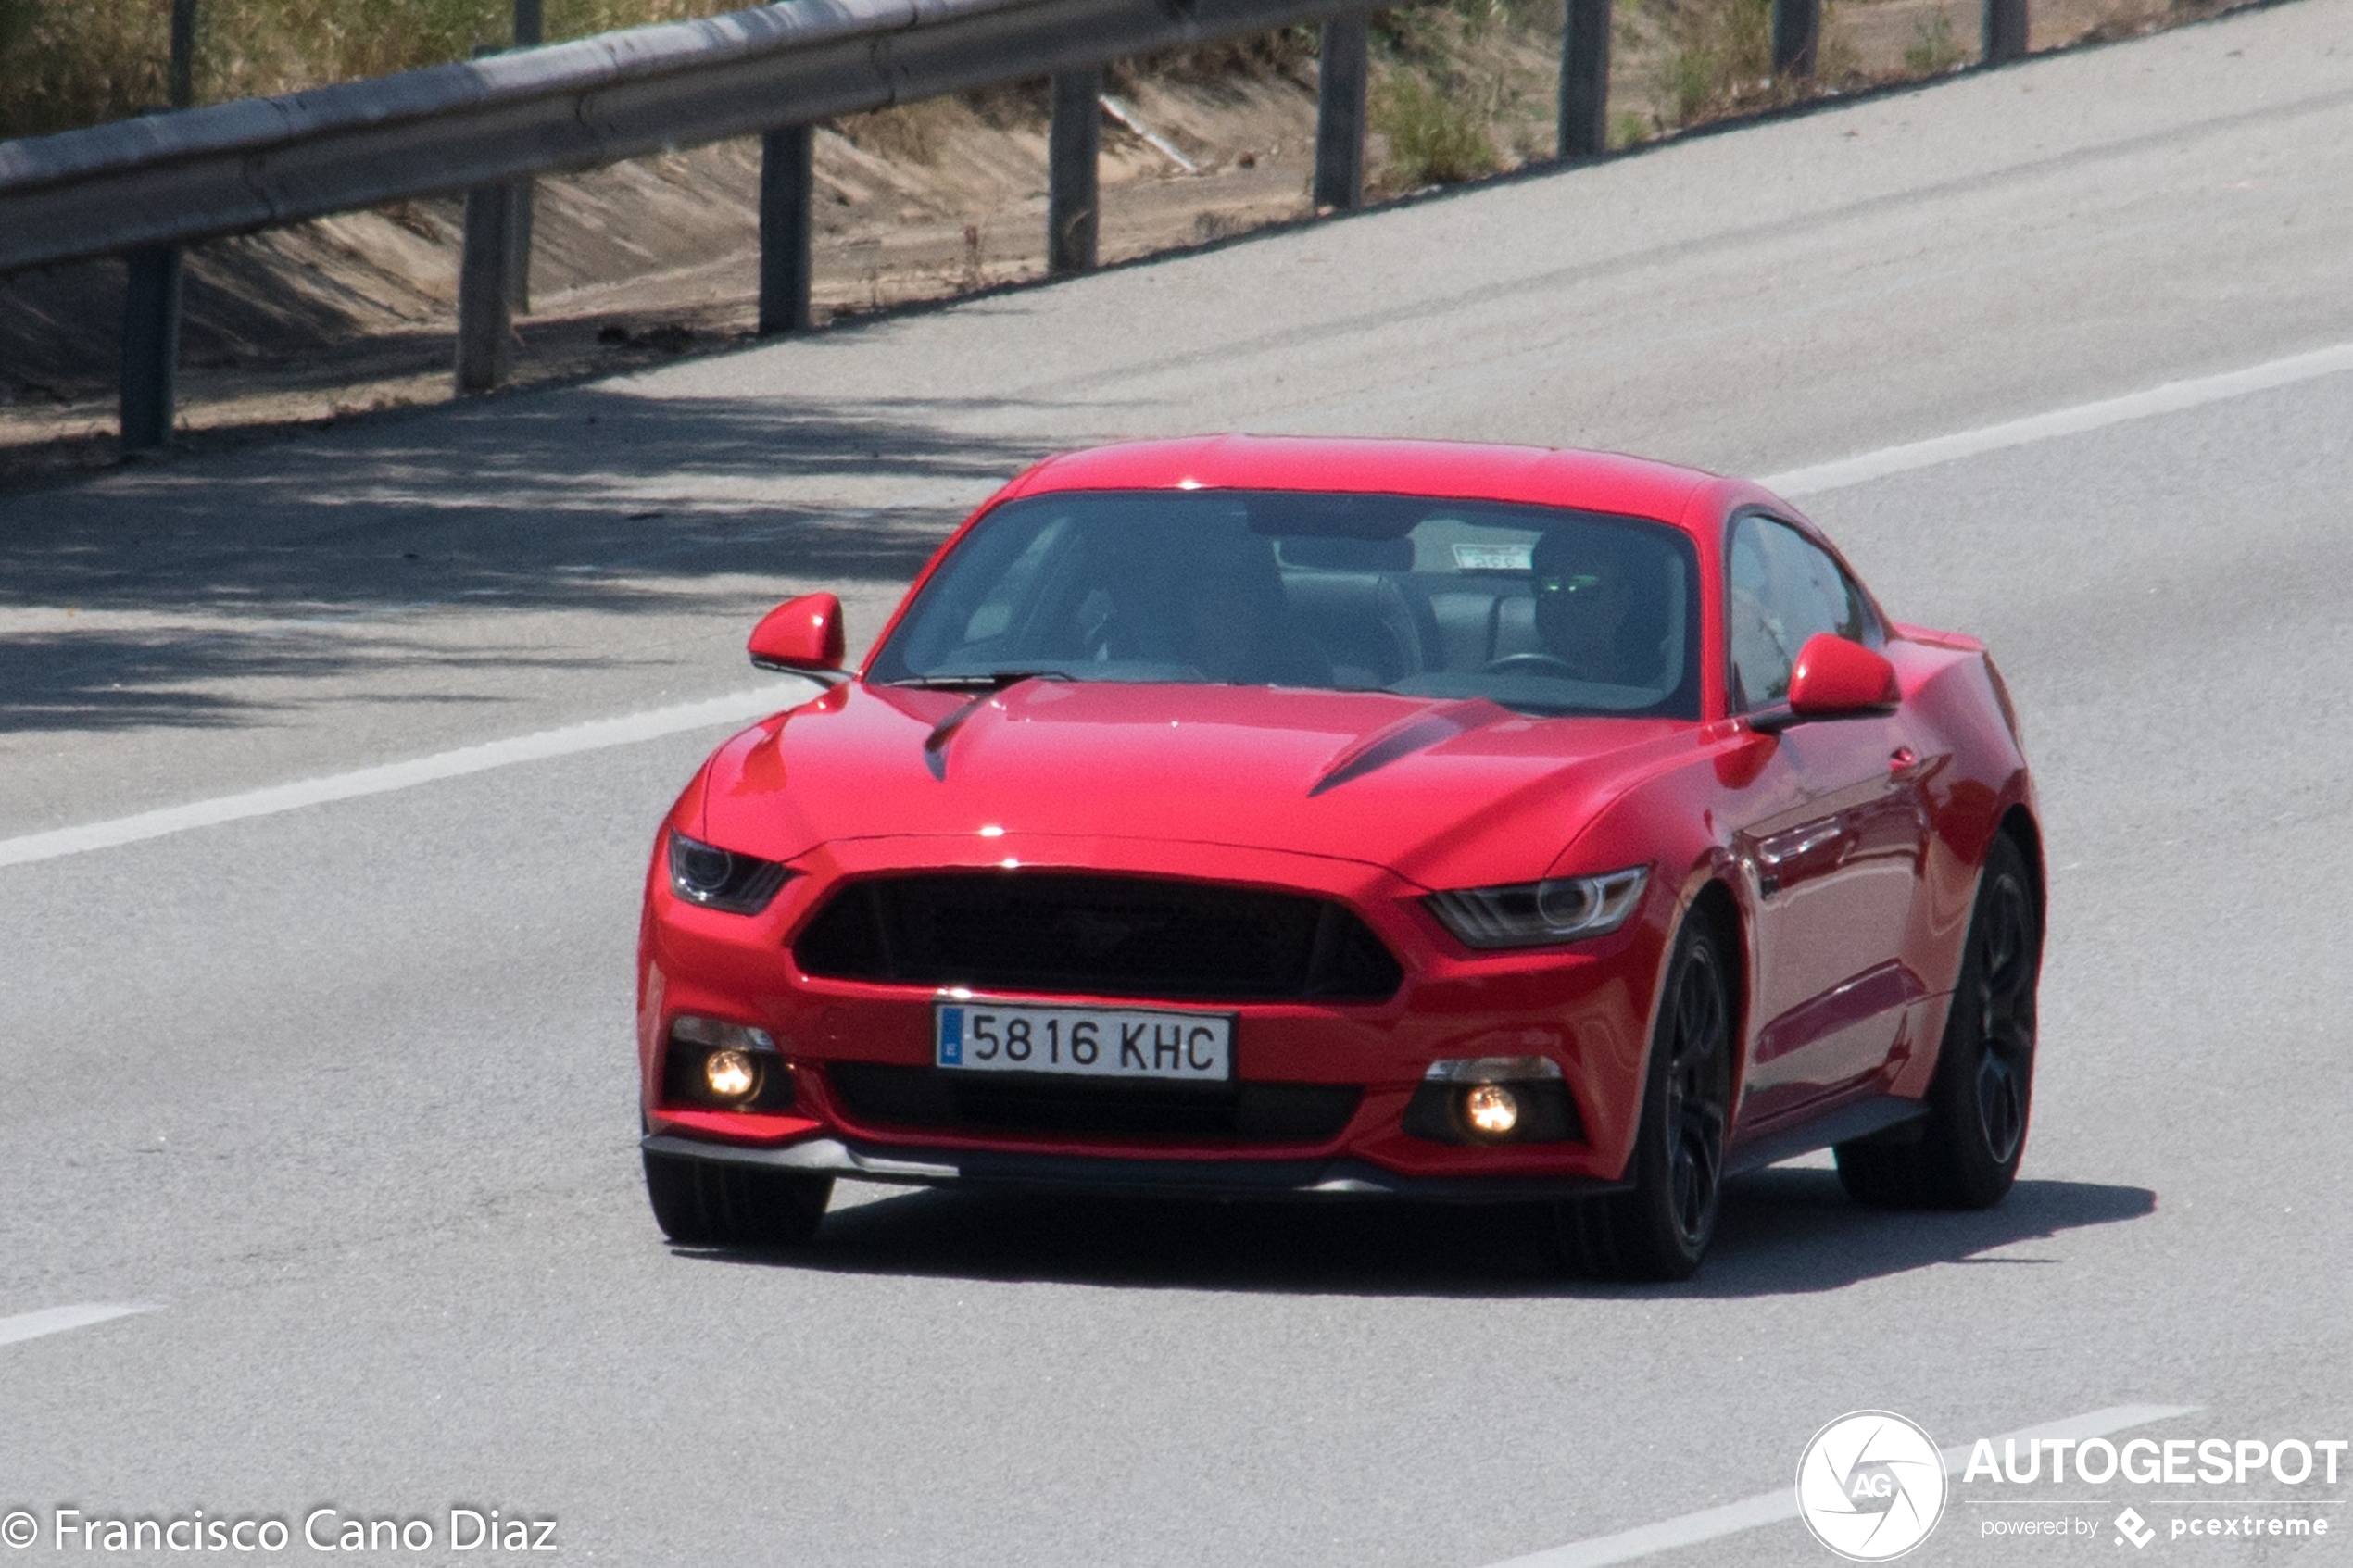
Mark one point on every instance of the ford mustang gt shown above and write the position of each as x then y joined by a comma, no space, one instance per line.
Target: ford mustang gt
1266,818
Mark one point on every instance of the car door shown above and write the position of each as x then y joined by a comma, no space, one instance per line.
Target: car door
1833,845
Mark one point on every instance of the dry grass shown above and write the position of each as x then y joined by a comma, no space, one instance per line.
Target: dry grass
1933,49
1714,58
1434,138
1719,59
1462,88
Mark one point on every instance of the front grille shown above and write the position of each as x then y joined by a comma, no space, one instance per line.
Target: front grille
928,1097
1059,933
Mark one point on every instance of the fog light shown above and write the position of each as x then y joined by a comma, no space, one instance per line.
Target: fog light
730,1075
1492,1109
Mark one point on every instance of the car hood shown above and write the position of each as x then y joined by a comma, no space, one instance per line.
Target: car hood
1446,792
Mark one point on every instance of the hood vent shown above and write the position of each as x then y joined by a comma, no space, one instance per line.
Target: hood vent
1061,933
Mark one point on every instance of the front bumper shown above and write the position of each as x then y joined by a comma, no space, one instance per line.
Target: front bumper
1231,1178
1584,1007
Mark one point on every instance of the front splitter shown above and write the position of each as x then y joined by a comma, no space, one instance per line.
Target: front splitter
1198,1178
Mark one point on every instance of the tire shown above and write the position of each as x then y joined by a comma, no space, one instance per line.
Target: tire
713,1203
1965,1154
1660,1229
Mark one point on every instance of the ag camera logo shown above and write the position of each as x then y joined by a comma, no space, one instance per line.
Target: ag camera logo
1871,1486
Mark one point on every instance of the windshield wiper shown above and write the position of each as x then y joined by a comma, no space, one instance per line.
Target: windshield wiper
994,679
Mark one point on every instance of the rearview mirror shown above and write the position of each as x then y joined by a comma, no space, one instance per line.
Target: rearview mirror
1834,678
802,636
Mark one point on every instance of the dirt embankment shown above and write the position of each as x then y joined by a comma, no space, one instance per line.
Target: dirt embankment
658,257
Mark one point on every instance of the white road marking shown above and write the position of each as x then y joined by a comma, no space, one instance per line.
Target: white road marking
569,741
1772,1508
2169,398
56,1320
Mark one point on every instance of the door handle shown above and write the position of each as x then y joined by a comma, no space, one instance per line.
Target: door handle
1783,848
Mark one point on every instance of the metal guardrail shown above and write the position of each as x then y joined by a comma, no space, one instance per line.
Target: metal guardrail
255,163
143,187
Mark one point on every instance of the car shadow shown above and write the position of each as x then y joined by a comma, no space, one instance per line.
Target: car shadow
1788,1231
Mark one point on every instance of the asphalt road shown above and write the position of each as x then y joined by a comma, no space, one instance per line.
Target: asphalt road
344,1093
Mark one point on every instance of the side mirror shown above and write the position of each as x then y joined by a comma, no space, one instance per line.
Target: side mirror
1834,678
801,636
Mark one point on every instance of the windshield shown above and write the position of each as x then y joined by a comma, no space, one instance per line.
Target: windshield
1536,607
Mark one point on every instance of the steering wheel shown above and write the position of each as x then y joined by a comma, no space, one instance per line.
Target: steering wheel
1529,664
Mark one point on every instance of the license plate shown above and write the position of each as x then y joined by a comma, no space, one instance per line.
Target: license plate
1086,1042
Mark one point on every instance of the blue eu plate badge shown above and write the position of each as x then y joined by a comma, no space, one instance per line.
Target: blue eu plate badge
951,1036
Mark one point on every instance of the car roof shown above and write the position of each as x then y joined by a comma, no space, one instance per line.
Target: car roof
1603,481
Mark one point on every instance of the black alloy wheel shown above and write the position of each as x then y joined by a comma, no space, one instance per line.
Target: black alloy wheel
1661,1228
1965,1153
714,1203
2003,995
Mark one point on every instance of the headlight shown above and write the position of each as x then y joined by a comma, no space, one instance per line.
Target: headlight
720,879
1530,914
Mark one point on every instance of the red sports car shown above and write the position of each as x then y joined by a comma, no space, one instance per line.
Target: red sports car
1260,818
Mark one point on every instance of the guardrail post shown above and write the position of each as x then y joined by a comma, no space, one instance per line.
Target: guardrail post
1072,144
1584,108
147,396
484,274
182,87
1797,36
1343,60
2005,31
150,346
529,31
786,183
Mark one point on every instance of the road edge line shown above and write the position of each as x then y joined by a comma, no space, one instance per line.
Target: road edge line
570,741
2169,398
61,1319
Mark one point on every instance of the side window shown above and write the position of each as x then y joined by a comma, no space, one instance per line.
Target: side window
1783,591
